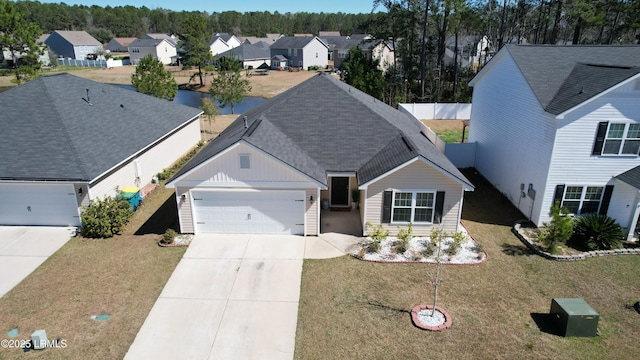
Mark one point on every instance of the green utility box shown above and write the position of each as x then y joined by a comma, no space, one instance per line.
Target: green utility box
574,317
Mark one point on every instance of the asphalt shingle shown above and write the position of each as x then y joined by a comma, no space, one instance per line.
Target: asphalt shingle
51,130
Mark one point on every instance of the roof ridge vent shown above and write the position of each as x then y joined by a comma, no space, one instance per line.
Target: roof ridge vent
252,128
245,122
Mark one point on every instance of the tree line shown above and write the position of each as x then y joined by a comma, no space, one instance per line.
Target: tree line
431,38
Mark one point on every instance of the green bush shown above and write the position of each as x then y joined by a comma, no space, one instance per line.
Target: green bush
598,232
105,218
429,249
404,236
456,244
559,230
168,236
376,233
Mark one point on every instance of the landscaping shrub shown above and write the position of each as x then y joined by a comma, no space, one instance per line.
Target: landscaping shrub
168,236
598,232
429,249
454,246
404,236
105,218
376,233
559,230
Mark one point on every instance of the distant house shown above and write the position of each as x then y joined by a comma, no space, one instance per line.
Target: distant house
322,34
339,47
7,57
66,141
73,44
119,44
160,49
382,51
269,39
279,62
160,36
251,56
302,51
222,42
561,124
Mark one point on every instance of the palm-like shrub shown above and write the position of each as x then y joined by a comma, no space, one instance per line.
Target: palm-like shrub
598,232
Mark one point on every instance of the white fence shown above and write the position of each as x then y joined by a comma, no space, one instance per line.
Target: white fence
93,63
437,111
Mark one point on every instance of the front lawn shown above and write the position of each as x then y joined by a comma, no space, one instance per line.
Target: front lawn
351,309
121,277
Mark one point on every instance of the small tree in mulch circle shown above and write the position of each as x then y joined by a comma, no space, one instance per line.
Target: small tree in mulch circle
436,282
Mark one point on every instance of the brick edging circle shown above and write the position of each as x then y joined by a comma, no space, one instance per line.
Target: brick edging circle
587,254
414,317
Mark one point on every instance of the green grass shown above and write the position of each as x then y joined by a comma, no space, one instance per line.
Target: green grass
452,136
350,309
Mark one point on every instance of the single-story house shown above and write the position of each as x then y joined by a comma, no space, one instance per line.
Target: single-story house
161,49
273,167
119,44
73,44
251,56
66,140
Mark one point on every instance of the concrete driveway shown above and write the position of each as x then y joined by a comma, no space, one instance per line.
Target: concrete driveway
233,297
24,248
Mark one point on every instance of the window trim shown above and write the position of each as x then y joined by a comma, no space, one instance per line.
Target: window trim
623,139
582,199
413,206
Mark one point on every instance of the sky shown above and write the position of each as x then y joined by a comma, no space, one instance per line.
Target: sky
210,6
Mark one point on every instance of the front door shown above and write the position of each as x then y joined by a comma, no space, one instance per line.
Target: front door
339,191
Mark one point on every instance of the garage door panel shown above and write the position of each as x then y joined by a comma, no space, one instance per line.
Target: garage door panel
267,212
38,204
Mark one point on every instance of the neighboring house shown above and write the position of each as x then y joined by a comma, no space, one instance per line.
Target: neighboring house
251,56
161,49
73,44
222,42
272,169
7,57
382,51
481,53
269,39
279,62
561,124
66,140
322,34
119,44
339,47
160,36
302,51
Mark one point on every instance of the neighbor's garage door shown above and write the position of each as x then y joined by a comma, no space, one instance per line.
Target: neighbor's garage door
38,204
249,212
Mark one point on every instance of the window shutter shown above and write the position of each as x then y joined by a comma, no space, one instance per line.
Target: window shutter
606,198
600,136
386,206
557,197
437,216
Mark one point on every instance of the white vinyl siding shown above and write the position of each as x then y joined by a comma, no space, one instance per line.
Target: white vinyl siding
309,55
572,160
224,172
417,175
514,135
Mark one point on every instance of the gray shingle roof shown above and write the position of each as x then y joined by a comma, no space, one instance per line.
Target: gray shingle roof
149,43
556,74
247,52
631,177
78,37
324,125
293,42
48,132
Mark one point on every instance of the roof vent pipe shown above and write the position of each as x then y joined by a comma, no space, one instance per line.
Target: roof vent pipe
88,100
245,122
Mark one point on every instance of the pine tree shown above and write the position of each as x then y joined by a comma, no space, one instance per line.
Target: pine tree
152,79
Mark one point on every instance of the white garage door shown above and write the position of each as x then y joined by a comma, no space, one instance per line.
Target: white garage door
38,204
249,212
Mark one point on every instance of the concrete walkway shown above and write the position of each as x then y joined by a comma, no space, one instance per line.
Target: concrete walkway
24,248
232,297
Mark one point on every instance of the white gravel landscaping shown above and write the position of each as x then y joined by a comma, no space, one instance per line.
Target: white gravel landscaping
431,317
470,252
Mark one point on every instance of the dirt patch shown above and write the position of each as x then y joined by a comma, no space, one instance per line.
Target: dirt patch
442,125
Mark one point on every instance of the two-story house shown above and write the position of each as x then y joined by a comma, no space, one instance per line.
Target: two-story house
163,50
561,124
73,44
221,42
301,51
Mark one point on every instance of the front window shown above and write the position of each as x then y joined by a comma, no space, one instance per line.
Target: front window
622,139
582,199
413,206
